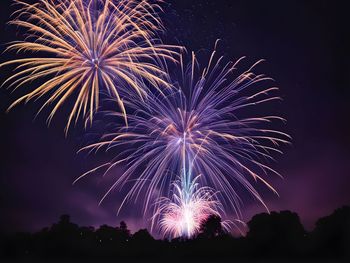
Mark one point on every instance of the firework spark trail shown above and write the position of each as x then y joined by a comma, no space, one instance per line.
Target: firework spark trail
188,207
84,50
205,115
183,214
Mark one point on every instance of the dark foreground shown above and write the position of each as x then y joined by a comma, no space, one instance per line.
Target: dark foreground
275,237
184,261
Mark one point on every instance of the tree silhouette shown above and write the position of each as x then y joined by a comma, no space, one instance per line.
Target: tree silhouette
276,233
211,227
279,234
124,232
332,234
106,234
142,236
62,238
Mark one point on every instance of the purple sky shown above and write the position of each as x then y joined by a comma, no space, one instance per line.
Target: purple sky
306,46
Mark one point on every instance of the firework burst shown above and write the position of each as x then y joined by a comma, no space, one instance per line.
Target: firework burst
86,46
186,210
201,127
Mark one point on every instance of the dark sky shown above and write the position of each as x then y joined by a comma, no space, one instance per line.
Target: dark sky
306,46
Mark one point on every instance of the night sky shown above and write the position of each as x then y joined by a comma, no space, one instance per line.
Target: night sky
306,47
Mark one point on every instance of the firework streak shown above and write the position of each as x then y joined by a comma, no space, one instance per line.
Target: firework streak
86,47
200,130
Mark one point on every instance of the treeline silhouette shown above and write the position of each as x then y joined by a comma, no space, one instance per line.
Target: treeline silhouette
278,235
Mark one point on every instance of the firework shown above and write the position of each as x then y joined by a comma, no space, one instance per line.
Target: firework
188,207
200,127
86,47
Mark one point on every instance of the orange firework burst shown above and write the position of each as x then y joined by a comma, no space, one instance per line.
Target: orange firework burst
87,45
